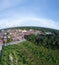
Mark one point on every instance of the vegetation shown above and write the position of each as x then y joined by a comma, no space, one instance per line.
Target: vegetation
9,40
49,41
37,50
27,53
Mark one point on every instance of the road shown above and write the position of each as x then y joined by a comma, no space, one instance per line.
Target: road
11,43
0,48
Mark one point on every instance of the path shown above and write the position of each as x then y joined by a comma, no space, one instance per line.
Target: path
11,43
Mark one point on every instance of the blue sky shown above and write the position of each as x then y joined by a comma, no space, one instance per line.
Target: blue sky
42,13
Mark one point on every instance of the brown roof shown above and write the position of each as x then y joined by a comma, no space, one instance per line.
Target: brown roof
27,33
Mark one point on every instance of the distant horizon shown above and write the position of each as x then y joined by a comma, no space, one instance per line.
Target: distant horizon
26,26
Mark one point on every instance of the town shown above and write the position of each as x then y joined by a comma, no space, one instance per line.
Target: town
19,44
10,35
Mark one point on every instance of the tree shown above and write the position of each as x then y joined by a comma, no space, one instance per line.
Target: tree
9,40
32,38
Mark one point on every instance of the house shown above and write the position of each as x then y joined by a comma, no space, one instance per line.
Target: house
24,31
48,33
1,41
38,32
26,34
5,39
1,35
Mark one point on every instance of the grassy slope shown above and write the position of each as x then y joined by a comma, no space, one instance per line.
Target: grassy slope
28,53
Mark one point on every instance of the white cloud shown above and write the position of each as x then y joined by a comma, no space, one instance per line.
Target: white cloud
31,10
29,21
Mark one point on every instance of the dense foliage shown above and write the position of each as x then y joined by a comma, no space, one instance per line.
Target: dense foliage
49,41
27,53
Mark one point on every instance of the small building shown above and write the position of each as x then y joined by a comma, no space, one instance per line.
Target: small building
1,35
48,33
24,31
1,41
5,39
26,34
38,32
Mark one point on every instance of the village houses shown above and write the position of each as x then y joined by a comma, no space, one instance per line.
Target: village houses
18,34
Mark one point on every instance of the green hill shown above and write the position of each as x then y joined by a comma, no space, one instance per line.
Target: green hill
27,53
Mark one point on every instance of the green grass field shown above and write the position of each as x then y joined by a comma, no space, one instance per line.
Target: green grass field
27,53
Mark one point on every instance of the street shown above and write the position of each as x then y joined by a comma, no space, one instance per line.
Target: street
15,42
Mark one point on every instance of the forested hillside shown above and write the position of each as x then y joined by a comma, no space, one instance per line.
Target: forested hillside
27,53
48,41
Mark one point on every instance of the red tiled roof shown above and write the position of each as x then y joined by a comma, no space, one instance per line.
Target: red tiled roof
27,33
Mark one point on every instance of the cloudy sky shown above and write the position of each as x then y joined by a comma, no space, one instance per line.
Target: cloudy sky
42,13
